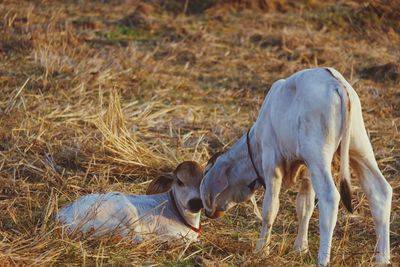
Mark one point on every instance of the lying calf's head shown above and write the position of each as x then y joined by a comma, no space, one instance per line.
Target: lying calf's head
185,184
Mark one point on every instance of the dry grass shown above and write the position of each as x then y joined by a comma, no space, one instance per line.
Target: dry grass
88,104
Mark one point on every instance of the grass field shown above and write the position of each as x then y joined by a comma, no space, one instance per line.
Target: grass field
97,96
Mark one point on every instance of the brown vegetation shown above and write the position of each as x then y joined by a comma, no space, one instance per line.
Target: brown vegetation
98,96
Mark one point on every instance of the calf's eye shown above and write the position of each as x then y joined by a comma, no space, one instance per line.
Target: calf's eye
180,183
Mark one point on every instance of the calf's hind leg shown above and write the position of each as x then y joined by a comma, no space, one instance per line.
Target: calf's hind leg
377,190
304,208
328,203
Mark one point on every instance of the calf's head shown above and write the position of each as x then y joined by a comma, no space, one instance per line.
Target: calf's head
185,184
226,182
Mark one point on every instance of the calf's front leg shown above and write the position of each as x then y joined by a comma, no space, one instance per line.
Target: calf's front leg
270,210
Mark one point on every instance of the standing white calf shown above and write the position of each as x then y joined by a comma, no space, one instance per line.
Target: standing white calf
304,120
175,213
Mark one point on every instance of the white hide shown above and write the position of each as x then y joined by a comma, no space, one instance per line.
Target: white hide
131,216
304,118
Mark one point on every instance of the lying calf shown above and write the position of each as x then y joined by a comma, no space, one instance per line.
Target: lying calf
175,213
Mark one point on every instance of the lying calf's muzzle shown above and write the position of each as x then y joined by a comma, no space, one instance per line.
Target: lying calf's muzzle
195,205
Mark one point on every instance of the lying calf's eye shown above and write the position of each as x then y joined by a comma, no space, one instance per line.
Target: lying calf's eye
180,183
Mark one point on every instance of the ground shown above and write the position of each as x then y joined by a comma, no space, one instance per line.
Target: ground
98,96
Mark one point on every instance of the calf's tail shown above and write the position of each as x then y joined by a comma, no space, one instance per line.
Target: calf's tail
345,182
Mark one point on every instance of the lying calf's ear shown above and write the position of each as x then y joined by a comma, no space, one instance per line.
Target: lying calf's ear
160,185
188,170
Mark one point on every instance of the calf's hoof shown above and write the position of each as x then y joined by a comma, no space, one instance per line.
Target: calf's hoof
301,247
382,260
262,248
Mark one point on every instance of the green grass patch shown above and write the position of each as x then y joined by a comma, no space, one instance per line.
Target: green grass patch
124,33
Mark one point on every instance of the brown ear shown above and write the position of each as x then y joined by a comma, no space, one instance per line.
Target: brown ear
188,169
160,185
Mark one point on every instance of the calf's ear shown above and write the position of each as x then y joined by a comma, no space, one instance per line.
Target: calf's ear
160,185
188,170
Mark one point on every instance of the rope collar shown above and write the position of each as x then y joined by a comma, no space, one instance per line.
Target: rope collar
197,230
259,177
